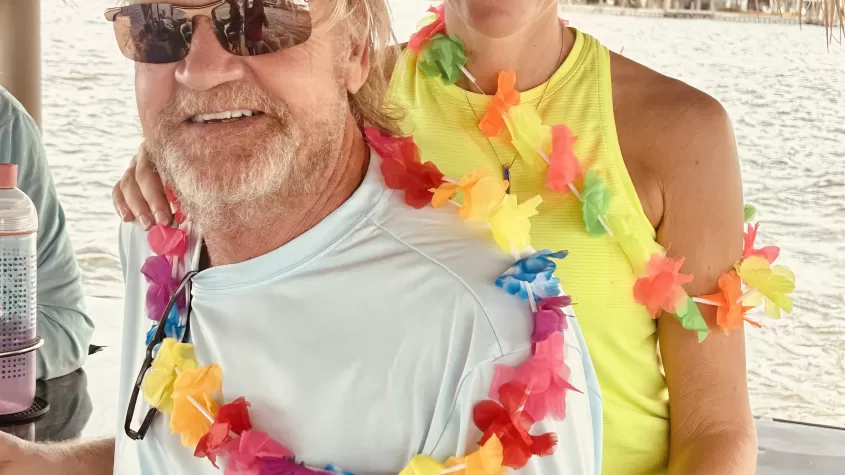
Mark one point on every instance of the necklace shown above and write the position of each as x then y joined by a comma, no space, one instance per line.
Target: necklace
506,168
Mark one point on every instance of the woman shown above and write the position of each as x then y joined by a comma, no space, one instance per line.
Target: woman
662,147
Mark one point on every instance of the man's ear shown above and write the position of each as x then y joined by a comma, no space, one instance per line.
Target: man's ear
358,65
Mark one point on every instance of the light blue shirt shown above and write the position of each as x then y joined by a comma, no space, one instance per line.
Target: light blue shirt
365,341
61,321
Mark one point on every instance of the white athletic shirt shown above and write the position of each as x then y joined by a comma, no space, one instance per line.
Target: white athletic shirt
363,342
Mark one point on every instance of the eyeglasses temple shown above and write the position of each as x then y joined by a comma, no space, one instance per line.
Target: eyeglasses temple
148,361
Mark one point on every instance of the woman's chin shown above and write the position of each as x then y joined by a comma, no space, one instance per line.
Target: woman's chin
499,18
496,22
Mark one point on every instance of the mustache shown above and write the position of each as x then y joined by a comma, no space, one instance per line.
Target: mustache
228,96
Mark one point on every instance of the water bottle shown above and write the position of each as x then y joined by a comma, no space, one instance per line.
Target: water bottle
18,267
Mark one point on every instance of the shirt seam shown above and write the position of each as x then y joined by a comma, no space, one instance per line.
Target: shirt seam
481,364
8,120
303,264
465,286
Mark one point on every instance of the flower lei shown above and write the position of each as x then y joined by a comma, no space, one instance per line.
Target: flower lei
754,280
518,397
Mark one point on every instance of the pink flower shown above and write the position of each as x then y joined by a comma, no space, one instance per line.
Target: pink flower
770,253
178,215
425,33
167,241
662,287
244,453
545,376
549,318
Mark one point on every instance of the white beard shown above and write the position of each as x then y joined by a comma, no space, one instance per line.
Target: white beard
224,184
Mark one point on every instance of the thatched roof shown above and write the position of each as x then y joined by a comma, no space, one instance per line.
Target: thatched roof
834,19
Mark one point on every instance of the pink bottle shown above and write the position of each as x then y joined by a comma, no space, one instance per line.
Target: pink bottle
18,265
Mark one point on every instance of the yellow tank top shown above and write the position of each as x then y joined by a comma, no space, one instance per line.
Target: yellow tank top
620,334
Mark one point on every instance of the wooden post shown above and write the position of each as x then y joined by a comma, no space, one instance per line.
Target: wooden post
20,52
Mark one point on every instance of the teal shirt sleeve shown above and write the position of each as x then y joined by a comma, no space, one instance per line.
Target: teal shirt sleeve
62,320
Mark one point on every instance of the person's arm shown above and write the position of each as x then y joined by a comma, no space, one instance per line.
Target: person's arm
61,321
80,457
140,194
712,430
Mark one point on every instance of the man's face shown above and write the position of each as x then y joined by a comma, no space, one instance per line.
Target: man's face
225,130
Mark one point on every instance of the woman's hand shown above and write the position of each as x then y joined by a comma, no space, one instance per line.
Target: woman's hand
140,193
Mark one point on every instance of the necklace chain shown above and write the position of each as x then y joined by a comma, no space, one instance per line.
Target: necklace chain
506,168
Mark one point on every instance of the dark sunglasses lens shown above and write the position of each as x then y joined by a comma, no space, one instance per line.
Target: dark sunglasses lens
253,27
153,33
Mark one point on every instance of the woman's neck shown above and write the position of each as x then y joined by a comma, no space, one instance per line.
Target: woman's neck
535,51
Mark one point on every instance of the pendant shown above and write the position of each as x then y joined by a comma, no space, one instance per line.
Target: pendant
507,173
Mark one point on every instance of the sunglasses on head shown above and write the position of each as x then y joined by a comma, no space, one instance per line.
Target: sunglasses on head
161,33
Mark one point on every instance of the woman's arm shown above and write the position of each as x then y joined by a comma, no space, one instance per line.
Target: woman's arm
62,321
680,150
77,457
712,430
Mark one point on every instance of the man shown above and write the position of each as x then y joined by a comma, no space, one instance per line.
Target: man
363,332
670,403
61,321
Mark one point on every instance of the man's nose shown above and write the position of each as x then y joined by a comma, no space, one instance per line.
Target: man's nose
208,64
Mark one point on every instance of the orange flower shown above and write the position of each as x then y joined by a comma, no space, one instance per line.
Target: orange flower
193,403
731,313
662,287
506,97
485,461
188,421
564,167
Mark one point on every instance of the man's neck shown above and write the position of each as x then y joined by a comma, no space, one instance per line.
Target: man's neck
280,223
534,52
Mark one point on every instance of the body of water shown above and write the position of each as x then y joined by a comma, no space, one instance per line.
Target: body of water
783,89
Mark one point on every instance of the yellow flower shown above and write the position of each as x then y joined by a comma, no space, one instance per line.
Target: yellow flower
194,388
638,248
770,284
486,461
158,383
482,194
529,135
510,224
422,465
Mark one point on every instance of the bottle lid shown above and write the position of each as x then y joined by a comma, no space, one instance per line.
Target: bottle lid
8,176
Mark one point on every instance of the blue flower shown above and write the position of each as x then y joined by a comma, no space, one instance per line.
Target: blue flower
536,270
334,469
172,329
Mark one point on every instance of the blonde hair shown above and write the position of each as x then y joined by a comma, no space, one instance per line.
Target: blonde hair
369,105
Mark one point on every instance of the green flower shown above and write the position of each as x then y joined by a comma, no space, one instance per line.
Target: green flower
443,56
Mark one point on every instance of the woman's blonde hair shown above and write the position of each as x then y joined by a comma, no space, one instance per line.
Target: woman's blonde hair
369,105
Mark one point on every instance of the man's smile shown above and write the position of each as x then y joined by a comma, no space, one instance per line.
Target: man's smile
225,116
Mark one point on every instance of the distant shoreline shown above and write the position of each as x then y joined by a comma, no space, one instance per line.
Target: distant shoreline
749,17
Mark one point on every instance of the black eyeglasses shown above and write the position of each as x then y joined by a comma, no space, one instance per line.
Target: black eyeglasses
161,33
185,286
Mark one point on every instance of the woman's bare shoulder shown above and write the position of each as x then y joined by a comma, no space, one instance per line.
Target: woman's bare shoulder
665,128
